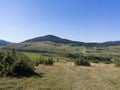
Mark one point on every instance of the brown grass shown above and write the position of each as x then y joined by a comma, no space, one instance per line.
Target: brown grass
67,76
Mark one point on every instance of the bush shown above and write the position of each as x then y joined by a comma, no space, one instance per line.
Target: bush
117,63
82,62
72,56
107,62
45,61
14,64
95,61
22,68
49,61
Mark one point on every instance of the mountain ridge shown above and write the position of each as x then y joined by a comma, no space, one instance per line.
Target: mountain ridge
51,38
3,42
56,39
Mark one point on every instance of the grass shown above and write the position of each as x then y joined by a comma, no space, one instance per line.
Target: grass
67,76
59,50
33,56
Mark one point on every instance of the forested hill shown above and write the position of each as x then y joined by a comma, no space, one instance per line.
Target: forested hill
3,42
51,38
56,39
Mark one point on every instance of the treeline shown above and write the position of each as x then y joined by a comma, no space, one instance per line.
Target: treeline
81,59
91,58
15,64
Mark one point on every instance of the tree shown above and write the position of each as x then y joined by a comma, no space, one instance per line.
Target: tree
15,64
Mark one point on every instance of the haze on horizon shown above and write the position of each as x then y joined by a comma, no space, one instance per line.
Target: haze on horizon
79,20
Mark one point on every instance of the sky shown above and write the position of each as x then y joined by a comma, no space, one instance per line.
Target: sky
79,20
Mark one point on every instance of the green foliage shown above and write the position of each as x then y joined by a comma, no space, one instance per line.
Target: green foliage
49,61
72,56
22,68
14,64
117,63
95,61
81,62
98,59
91,58
44,60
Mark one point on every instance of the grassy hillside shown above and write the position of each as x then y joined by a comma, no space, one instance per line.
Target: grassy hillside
66,76
60,50
44,47
55,46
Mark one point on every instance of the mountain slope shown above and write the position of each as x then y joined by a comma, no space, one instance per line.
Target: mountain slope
50,38
111,43
54,45
3,42
56,39
51,43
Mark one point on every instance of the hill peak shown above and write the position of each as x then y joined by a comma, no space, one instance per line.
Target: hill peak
51,38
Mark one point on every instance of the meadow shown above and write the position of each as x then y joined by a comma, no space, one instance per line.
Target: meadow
66,76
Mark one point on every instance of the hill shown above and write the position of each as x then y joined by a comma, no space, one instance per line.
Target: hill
111,43
3,42
52,38
56,39
51,44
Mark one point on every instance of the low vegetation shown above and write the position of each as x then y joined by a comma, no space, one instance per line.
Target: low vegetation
87,68
15,64
81,62
45,60
66,76
90,58
117,63
38,58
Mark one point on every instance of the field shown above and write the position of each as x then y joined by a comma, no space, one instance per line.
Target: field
59,50
32,56
67,76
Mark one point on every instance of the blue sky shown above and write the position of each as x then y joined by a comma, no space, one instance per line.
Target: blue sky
80,20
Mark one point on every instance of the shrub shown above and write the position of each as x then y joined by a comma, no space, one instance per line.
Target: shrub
45,61
72,56
49,61
14,64
95,61
117,63
82,62
22,68
107,62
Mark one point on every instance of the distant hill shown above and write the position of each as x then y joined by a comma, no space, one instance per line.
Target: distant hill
49,44
3,42
50,38
111,43
54,44
56,39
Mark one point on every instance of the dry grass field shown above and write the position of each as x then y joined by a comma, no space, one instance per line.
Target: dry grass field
67,76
